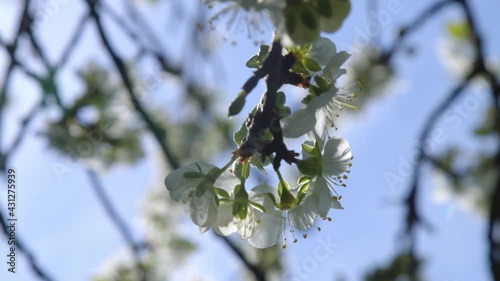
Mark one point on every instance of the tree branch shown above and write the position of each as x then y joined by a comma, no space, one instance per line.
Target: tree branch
117,221
413,26
158,132
20,245
73,42
256,271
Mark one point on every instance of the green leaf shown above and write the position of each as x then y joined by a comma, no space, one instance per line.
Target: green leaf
285,111
311,64
256,61
280,99
239,135
237,105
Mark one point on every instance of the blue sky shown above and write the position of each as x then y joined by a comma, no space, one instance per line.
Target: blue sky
64,225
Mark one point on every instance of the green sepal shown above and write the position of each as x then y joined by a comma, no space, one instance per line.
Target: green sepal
271,196
302,192
309,148
322,83
258,206
308,98
303,188
256,161
298,67
303,179
216,200
193,175
198,167
315,90
311,65
287,200
240,205
202,187
213,174
308,167
221,192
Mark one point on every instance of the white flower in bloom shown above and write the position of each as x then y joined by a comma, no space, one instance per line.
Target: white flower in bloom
321,195
335,164
304,215
269,224
194,182
321,110
261,229
254,13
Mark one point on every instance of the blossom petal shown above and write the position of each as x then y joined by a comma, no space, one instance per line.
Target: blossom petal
323,197
203,210
268,230
227,181
336,204
299,123
304,215
332,69
322,50
337,157
246,227
179,186
225,223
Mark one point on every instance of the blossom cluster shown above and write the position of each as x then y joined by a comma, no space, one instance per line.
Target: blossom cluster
220,198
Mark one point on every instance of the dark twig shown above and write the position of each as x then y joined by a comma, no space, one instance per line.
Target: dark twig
73,42
256,271
117,221
26,121
158,132
146,32
494,212
11,49
413,26
20,245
